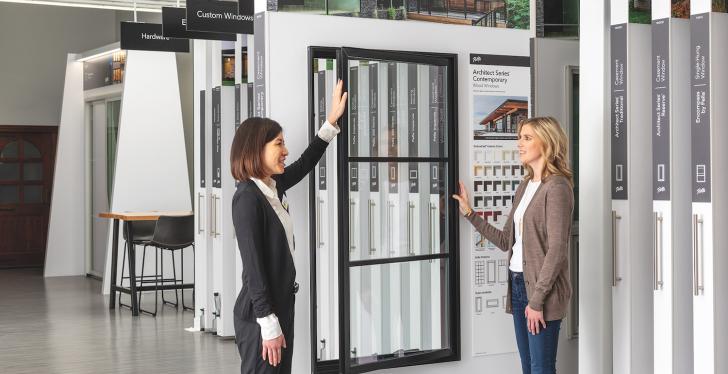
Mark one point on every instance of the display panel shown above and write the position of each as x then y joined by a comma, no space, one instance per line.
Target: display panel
398,324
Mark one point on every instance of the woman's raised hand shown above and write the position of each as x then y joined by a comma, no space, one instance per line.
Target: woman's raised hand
338,103
462,199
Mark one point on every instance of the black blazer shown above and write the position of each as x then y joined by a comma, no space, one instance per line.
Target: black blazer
269,274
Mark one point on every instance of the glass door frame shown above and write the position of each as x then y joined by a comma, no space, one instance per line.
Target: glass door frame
451,353
115,96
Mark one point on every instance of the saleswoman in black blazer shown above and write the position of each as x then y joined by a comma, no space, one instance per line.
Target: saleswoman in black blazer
265,306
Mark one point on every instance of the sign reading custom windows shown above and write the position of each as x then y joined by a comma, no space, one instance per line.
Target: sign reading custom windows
218,16
174,25
149,37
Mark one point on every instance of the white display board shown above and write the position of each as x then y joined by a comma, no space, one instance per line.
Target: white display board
500,87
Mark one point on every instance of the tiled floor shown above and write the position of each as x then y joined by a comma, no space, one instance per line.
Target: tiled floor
63,325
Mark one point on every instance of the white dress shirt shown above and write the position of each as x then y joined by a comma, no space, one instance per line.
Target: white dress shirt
270,328
517,257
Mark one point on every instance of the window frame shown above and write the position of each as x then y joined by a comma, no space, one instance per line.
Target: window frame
452,256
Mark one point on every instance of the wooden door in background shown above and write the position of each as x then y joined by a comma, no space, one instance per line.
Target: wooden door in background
27,160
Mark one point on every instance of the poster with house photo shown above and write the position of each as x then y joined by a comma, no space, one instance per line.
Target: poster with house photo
499,100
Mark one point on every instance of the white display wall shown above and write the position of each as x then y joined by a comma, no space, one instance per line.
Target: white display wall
286,41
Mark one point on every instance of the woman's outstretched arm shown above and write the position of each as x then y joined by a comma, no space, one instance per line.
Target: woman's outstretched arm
311,156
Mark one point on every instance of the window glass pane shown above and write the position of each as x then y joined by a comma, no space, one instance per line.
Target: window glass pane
397,109
9,195
398,310
10,150
33,194
9,171
307,6
397,209
343,6
30,151
33,171
113,109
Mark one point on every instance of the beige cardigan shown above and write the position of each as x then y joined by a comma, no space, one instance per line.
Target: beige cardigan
546,236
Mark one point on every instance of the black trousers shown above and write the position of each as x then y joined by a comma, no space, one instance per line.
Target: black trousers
250,347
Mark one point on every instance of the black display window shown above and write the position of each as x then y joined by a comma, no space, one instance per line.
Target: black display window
384,233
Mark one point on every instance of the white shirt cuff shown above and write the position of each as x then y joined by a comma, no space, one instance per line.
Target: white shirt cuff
269,327
328,132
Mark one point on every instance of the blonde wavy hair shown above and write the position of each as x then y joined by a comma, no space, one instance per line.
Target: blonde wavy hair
555,147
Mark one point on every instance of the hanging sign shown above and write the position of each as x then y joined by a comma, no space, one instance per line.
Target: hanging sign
149,37
174,25
246,7
217,16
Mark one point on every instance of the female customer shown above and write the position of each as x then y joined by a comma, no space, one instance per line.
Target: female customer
536,237
263,312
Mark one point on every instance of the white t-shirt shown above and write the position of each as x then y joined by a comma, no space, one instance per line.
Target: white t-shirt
517,258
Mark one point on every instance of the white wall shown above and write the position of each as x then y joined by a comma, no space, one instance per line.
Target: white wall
151,167
66,237
595,293
289,37
33,47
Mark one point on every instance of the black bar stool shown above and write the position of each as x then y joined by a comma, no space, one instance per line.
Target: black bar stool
142,233
172,234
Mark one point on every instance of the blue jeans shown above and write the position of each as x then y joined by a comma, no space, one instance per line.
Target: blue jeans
538,352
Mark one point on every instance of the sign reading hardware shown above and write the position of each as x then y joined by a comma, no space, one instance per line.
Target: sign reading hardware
217,16
174,25
149,37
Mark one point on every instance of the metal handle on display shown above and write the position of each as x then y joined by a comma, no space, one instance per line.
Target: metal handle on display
698,286
318,223
432,215
410,219
200,200
615,277
372,248
657,251
390,226
215,199
212,215
352,226
322,351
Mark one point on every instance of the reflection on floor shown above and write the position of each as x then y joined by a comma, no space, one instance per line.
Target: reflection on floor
63,325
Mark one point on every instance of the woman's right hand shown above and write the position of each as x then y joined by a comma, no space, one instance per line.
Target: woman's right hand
462,199
272,350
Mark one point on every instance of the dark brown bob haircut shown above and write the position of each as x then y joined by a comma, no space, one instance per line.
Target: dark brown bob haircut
246,153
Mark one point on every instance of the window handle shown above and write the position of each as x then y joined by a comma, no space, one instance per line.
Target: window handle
410,238
352,226
372,235
657,251
200,202
615,277
698,286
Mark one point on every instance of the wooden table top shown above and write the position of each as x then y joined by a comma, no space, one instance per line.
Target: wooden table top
144,216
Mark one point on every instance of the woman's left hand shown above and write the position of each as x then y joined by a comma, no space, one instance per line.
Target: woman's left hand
534,320
338,103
